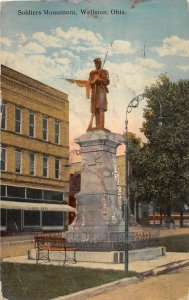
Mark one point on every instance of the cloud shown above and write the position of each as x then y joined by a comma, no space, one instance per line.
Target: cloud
150,63
74,39
184,68
76,35
32,48
48,66
62,61
133,76
77,1
5,41
49,57
66,1
130,80
38,66
127,81
70,54
80,40
7,58
92,48
22,38
173,45
121,46
49,41
74,1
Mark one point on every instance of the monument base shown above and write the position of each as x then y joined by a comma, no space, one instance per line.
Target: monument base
99,203
98,129
108,257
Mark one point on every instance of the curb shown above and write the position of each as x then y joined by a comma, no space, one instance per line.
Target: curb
9,243
85,294
175,266
165,268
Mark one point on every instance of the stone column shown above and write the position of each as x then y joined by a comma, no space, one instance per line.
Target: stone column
98,204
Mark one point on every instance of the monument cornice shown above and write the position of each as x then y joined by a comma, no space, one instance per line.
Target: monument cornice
100,137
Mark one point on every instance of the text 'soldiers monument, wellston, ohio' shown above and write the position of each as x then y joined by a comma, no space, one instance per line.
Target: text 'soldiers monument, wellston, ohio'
99,208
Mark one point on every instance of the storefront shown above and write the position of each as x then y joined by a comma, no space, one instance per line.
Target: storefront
20,216
27,209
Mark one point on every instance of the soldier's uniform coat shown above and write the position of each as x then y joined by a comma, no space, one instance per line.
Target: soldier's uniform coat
99,90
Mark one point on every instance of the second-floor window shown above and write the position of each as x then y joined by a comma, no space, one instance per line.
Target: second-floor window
32,163
18,116
57,168
45,128
57,132
3,159
31,124
45,166
3,115
18,158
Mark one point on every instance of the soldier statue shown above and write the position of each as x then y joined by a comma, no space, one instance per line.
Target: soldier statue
98,80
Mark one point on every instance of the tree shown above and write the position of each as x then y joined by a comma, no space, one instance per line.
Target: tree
134,145
164,159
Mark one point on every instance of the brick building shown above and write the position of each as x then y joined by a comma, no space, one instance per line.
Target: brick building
35,147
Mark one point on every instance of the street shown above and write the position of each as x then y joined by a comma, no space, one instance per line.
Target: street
173,286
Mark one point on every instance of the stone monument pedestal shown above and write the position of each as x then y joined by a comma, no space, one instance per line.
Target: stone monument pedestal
99,204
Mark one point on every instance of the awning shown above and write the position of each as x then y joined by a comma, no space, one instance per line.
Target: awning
35,206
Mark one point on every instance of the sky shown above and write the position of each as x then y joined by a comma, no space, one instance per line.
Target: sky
49,47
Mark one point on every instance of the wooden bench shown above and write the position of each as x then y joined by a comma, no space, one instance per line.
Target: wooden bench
53,243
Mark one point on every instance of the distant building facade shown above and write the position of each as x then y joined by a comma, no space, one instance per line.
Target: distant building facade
34,150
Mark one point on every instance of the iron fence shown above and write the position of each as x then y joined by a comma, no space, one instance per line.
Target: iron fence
113,241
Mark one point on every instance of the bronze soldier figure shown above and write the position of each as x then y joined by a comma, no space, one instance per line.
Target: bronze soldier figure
99,80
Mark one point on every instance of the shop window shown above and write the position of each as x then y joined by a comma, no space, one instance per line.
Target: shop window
3,217
51,218
31,218
15,192
53,195
34,194
3,190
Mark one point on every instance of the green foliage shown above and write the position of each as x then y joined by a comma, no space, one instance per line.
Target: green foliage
164,159
37,281
176,243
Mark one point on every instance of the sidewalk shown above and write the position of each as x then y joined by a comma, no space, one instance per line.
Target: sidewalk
138,266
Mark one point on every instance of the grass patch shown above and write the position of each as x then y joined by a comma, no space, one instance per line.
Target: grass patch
176,243
41,282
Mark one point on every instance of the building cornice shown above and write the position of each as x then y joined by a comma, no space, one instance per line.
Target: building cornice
31,86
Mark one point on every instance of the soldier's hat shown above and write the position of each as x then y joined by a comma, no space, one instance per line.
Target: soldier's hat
98,59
